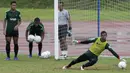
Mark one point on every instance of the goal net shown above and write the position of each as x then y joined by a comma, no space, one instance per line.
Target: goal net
89,17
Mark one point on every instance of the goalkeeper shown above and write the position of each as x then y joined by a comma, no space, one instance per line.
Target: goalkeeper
98,46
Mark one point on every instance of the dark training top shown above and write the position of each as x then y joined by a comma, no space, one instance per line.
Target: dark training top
12,18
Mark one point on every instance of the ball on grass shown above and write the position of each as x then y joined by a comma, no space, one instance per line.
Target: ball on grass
122,65
45,54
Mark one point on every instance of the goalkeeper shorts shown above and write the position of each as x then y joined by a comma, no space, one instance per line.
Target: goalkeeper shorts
62,32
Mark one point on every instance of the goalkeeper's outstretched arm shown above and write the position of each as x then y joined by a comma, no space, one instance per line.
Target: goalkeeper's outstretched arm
90,40
112,51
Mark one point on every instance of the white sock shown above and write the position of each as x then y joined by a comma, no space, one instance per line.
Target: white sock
64,52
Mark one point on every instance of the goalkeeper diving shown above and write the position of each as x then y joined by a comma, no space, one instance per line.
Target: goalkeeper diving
98,46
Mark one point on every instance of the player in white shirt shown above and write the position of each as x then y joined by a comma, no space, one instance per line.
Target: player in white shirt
64,23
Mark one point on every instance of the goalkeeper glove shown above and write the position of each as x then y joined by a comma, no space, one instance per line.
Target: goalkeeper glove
76,42
70,28
70,32
123,60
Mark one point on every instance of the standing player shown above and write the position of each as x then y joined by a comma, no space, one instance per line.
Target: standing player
10,29
98,46
64,23
35,28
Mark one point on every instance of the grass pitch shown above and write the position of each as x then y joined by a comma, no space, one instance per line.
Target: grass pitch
37,65
76,14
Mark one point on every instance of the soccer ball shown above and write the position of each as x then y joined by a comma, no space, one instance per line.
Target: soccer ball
122,65
48,53
45,54
31,38
37,39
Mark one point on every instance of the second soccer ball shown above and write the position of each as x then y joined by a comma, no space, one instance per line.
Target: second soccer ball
37,39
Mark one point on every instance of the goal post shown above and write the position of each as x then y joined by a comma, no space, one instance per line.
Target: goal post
56,44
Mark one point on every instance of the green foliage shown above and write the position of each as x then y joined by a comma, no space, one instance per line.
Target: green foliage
29,14
29,3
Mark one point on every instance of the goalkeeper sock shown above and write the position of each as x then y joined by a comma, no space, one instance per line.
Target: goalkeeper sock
65,52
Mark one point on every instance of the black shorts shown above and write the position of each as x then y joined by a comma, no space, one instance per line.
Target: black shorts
62,32
12,34
34,33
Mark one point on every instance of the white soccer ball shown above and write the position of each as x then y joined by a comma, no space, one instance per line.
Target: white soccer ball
44,55
37,39
31,38
122,65
48,53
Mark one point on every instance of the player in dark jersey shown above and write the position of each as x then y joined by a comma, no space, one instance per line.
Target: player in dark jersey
10,29
98,46
35,28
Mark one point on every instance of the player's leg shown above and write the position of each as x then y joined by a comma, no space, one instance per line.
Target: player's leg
16,46
30,49
63,46
60,36
81,58
65,49
30,45
92,59
39,48
91,62
8,41
39,44
62,39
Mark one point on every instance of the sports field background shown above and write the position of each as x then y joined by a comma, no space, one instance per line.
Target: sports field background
48,43
82,29
78,21
114,18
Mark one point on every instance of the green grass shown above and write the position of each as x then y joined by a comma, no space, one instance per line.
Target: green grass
36,65
30,14
76,14
29,3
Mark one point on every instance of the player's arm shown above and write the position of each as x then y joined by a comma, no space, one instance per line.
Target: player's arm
90,40
112,51
43,32
4,24
69,20
69,23
19,19
27,30
19,22
26,35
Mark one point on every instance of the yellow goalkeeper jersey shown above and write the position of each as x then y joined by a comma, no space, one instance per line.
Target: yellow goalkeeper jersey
98,47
